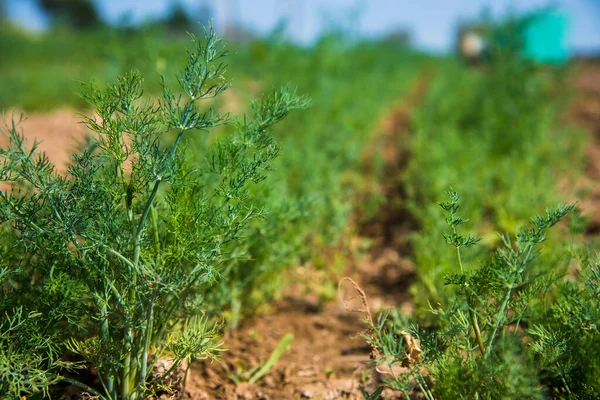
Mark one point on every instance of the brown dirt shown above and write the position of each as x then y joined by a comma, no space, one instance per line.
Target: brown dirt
328,358
585,112
59,133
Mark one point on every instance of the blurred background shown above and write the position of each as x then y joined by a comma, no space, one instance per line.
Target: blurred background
50,44
428,25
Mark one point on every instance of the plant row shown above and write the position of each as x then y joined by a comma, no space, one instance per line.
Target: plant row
499,315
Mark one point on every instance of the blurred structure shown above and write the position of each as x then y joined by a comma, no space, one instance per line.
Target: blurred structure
540,36
471,45
544,35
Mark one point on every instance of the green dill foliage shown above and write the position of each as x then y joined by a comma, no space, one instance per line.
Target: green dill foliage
454,221
111,260
30,357
516,327
311,200
566,340
489,132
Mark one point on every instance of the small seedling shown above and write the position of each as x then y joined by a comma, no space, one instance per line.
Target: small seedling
373,395
259,371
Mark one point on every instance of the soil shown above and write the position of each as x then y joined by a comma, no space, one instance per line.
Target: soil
585,112
58,132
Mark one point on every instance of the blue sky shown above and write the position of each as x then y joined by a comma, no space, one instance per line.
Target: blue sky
431,22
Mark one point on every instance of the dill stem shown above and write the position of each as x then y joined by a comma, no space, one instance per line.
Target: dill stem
471,312
105,335
185,377
564,381
154,219
82,385
423,386
144,370
126,371
175,363
137,238
499,319
150,201
460,264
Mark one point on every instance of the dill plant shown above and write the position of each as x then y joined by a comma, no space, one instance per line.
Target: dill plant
110,262
566,339
516,328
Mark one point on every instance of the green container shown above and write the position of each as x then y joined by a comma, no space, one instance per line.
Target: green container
545,35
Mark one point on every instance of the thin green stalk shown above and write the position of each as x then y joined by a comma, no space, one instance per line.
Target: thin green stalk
423,386
471,312
460,264
140,226
165,316
126,371
282,347
185,377
119,256
144,369
87,388
128,335
112,288
110,395
564,381
499,320
507,297
132,221
518,322
170,307
127,377
149,202
176,362
154,220
105,335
